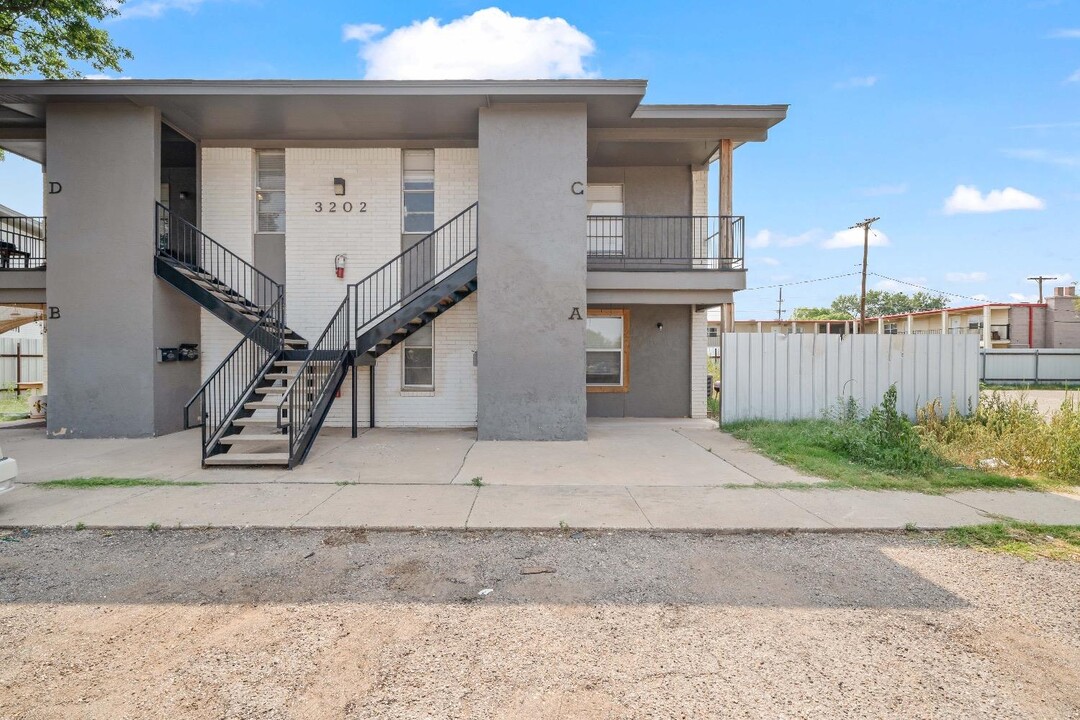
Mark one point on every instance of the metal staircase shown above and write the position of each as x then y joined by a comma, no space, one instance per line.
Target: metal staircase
267,401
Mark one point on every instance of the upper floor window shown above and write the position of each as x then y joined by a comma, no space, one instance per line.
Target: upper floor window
270,191
418,191
604,205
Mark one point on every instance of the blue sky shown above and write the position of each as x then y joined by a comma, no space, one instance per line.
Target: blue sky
894,106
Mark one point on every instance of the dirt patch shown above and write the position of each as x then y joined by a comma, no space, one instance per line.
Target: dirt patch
306,624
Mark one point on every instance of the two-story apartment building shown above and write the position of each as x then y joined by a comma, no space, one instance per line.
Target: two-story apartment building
266,257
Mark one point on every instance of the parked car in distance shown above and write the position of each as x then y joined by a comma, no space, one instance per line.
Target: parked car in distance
9,469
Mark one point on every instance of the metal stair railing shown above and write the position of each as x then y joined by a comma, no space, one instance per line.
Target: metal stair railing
394,284
306,399
180,242
222,396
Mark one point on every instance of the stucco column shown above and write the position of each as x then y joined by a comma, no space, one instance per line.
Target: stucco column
531,271
909,324
987,338
725,205
113,313
880,326
944,322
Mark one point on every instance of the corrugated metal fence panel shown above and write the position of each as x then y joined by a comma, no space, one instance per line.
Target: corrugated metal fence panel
33,368
787,377
1031,365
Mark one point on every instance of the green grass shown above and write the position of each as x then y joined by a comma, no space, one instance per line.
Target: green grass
810,446
1025,540
990,387
13,407
100,482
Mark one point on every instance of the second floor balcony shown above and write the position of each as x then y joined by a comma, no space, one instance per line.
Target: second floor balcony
652,243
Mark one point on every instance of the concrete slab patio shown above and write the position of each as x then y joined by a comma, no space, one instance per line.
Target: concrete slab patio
658,475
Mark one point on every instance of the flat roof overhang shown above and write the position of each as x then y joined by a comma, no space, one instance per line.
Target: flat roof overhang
365,113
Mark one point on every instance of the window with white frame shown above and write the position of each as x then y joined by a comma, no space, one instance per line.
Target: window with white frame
604,205
417,360
418,191
270,191
889,328
607,350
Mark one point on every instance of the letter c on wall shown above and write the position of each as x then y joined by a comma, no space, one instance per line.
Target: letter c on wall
578,188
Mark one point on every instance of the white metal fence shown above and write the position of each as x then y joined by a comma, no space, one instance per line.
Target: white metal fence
1030,365
787,377
21,360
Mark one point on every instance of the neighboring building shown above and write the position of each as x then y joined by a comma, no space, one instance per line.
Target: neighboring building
1052,324
514,256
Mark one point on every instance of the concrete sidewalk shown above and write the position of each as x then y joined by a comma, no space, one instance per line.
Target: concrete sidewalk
522,507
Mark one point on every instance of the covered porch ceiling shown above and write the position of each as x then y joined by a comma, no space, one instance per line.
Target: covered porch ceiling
360,113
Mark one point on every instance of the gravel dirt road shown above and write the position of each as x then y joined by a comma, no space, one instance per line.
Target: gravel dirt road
347,624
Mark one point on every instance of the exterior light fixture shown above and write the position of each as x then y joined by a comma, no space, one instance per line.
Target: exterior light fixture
660,327
339,186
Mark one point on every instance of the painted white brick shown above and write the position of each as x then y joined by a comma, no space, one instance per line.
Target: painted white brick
699,190
699,362
227,194
369,236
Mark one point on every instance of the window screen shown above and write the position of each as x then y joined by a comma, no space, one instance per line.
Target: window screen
270,191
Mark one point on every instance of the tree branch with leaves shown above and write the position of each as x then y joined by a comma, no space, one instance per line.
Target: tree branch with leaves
46,37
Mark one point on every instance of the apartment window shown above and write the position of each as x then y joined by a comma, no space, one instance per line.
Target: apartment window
418,191
712,331
607,356
417,364
270,191
889,329
605,209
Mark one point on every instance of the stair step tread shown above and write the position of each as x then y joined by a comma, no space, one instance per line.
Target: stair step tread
271,390
249,459
244,422
263,405
289,363
280,376
254,437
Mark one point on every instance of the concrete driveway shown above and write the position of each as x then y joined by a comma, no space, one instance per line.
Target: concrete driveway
687,453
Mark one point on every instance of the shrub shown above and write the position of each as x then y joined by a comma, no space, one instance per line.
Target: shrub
1009,435
883,439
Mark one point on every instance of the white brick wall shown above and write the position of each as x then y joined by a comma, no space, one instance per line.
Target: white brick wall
369,239
699,362
227,192
456,181
699,192
453,402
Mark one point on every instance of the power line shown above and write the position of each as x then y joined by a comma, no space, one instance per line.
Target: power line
938,292
799,282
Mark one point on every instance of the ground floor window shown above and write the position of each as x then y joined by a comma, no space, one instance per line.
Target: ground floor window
607,351
418,360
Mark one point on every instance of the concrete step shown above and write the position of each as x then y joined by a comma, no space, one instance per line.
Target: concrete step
263,405
259,422
255,437
286,376
271,390
289,363
232,458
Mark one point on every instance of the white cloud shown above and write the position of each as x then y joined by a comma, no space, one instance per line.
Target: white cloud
767,238
863,81
771,261
966,277
894,286
1075,77
1065,34
968,199
853,237
880,190
157,8
490,44
981,297
1044,156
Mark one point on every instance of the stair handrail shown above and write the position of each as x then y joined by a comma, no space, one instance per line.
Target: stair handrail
189,251
385,288
301,401
238,374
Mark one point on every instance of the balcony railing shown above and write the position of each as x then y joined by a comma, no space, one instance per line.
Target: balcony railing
22,243
668,242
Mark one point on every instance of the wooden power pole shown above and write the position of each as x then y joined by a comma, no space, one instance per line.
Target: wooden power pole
865,225
1040,279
